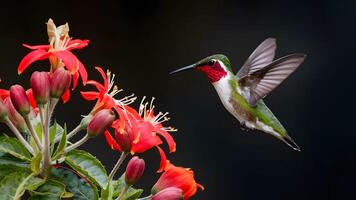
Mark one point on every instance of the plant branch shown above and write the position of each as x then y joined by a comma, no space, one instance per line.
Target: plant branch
117,165
146,198
123,192
77,144
33,132
45,139
19,135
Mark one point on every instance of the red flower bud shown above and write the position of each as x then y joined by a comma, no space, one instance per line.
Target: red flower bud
60,82
20,100
3,111
170,193
40,84
14,116
124,138
100,122
134,170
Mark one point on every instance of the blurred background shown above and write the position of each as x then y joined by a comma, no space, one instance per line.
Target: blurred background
142,41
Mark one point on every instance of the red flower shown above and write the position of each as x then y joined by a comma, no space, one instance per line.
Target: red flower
144,132
177,177
58,52
106,93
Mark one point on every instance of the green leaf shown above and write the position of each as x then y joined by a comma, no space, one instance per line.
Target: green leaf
8,169
80,188
36,163
107,194
38,129
51,190
62,145
131,194
56,130
8,159
14,147
88,166
14,185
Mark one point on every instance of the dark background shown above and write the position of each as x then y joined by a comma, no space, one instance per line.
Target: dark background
141,41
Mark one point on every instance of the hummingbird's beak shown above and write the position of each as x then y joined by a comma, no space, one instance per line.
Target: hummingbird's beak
183,69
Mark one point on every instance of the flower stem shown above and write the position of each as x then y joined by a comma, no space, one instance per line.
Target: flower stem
74,131
77,144
146,198
123,192
52,106
33,133
19,135
117,165
45,139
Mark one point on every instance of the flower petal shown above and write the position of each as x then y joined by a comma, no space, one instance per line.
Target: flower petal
146,141
111,141
105,78
69,59
35,47
31,57
75,80
163,162
83,73
66,96
90,96
31,98
168,138
77,44
98,86
4,93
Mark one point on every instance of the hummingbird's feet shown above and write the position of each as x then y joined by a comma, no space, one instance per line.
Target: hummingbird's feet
243,127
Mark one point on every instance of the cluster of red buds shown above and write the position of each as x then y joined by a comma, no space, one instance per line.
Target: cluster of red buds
127,130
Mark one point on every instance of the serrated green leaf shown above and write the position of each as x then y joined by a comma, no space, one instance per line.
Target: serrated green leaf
55,131
36,163
80,189
87,165
131,193
14,185
51,190
14,147
62,145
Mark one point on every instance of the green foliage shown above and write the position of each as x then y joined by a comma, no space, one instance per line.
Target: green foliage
51,190
80,188
62,145
14,185
36,163
14,147
55,131
88,166
131,193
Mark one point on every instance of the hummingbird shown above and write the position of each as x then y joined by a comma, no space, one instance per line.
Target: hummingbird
242,93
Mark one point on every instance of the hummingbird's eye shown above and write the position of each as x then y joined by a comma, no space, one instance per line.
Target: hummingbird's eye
211,62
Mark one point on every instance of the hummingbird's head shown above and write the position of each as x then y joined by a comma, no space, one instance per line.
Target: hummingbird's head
214,67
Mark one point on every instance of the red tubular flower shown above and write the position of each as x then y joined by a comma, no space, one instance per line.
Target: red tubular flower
100,122
58,52
144,132
40,84
134,170
60,83
106,93
20,100
177,177
170,193
14,116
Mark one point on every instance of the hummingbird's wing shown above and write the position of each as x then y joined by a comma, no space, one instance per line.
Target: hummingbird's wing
261,82
261,57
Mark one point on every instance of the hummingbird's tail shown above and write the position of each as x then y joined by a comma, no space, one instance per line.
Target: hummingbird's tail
290,142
